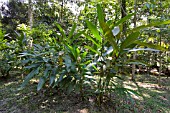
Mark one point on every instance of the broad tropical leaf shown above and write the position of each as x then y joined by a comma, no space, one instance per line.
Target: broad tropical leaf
122,20
153,46
149,25
100,13
94,30
109,35
29,76
61,30
72,31
93,50
91,39
76,36
143,49
33,65
129,40
40,83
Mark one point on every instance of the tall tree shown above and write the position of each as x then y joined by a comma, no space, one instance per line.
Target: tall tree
14,12
123,12
30,13
134,55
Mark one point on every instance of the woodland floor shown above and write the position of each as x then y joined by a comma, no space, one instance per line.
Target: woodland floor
12,100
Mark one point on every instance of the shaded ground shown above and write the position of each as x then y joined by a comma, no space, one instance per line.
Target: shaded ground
12,100
156,98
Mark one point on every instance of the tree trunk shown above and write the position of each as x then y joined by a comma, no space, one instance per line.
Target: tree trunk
62,11
123,12
134,54
30,20
160,64
30,13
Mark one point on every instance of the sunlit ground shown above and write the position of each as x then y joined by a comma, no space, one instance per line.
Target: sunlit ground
156,98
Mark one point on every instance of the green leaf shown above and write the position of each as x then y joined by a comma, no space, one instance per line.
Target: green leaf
71,87
137,62
109,35
45,59
93,50
72,31
72,52
121,90
100,13
120,78
40,83
107,31
76,36
133,92
38,47
26,54
59,36
33,66
109,50
143,49
53,75
83,55
129,40
26,61
68,63
52,79
47,71
77,52
91,39
94,30
153,46
61,30
122,20
29,76
149,25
